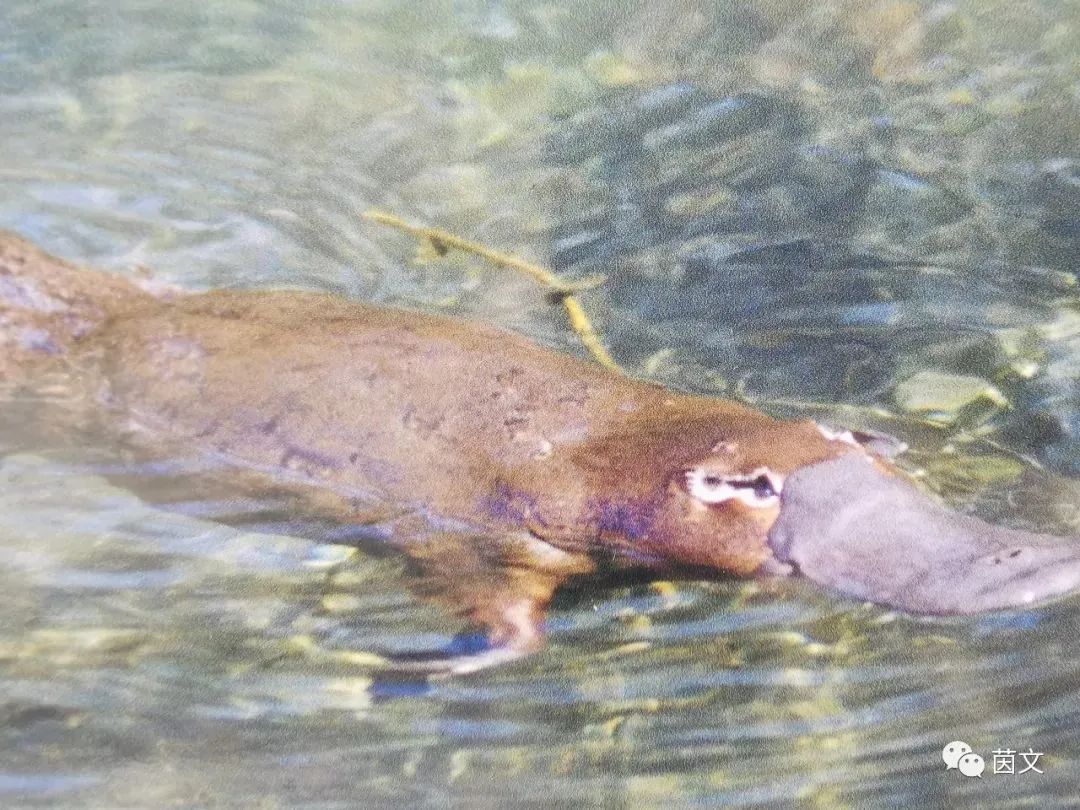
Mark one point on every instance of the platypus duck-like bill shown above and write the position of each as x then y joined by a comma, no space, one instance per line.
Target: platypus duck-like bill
872,536
515,467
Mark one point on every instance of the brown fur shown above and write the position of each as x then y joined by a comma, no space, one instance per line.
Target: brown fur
476,430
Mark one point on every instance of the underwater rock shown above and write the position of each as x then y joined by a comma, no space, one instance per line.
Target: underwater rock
810,243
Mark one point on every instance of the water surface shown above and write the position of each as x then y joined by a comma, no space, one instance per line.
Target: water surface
862,212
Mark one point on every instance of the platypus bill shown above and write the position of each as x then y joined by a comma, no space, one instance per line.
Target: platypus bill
502,469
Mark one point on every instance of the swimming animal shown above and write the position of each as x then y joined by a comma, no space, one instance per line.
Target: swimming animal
500,468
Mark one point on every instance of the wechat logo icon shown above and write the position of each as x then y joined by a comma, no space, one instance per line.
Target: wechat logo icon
952,752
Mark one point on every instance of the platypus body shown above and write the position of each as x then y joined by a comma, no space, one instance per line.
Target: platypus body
501,468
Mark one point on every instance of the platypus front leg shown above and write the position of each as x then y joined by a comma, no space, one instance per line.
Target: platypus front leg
501,585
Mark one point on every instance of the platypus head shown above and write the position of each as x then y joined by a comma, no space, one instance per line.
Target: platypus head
796,498
722,481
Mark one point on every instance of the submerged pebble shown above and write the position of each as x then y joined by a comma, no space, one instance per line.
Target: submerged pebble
942,396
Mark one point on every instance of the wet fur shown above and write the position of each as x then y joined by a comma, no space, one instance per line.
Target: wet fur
515,466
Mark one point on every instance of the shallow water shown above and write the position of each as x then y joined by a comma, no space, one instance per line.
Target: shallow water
862,212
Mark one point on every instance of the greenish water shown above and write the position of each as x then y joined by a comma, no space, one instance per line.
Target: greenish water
863,212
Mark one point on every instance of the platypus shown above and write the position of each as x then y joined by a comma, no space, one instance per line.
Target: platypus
501,468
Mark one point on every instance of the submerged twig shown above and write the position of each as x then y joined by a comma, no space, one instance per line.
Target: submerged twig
588,336
565,292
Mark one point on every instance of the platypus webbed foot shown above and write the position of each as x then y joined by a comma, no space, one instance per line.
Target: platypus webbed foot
845,524
467,653
499,584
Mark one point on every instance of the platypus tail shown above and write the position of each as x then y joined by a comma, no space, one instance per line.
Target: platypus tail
47,305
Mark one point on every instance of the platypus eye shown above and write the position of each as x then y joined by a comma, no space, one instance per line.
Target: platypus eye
759,488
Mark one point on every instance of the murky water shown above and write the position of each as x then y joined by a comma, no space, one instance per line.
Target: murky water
866,212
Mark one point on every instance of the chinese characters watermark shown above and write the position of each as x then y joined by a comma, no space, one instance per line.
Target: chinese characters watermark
959,756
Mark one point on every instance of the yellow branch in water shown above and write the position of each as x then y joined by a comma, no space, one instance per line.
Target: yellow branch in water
564,291
588,336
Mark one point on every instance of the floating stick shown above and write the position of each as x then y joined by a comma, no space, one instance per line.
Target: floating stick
588,336
565,292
